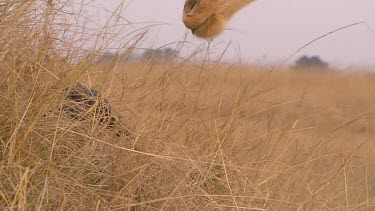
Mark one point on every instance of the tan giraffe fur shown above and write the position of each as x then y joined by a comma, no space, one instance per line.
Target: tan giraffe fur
207,18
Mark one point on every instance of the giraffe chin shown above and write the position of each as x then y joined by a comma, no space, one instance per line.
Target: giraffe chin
211,27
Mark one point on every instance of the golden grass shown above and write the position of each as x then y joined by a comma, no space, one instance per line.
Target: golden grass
202,137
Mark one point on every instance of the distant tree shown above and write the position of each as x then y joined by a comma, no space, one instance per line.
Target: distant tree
107,57
313,62
160,55
115,57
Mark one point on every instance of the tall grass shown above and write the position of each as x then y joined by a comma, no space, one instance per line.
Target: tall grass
200,138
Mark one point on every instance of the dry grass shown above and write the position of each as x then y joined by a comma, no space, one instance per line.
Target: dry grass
202,137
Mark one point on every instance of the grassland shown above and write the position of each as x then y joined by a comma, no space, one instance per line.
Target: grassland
201,137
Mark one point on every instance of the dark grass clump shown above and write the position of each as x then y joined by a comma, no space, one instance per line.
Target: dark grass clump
82,101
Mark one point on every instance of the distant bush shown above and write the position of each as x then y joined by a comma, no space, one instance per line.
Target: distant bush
160,55
306,62
127,57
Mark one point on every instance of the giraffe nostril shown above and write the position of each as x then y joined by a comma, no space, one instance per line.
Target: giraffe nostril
190,5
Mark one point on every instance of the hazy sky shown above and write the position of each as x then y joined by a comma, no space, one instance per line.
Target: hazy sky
269,30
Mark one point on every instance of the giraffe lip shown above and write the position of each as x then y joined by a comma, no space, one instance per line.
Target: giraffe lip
196,28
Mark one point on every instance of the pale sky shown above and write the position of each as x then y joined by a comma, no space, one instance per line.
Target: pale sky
268,30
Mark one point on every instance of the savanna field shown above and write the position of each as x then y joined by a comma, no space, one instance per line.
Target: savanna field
188,135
